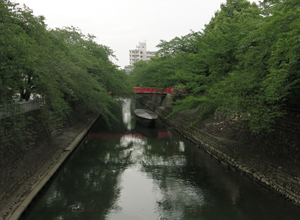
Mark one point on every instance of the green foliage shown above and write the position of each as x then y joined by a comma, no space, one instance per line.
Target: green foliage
63,66
153,74
243,65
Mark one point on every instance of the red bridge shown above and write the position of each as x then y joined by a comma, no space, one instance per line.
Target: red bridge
155,90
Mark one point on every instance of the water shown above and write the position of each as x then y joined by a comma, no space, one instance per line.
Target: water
131,172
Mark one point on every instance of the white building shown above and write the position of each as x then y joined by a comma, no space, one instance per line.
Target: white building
140,53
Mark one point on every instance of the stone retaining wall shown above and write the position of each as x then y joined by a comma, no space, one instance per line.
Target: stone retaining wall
259,161
22,166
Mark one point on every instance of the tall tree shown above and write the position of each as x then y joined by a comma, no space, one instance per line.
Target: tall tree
63,67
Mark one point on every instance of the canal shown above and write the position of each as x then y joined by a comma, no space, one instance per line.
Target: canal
128,172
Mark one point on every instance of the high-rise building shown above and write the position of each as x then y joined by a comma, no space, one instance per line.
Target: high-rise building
140,53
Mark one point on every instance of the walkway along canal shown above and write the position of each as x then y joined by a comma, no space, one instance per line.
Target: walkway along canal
130,172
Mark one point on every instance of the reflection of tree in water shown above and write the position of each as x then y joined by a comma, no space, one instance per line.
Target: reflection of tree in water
193,186
92,191
184,182
98,166
187,183
165,162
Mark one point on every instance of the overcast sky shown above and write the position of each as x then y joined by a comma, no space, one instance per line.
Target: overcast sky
122,24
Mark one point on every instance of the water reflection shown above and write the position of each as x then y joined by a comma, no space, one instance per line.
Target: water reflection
148,132
126,110
131,172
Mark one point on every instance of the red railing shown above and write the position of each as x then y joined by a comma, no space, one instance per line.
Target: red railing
155,90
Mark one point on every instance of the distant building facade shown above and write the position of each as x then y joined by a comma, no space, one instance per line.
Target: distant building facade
140,53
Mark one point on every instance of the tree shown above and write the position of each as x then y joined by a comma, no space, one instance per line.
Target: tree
244,64
63,66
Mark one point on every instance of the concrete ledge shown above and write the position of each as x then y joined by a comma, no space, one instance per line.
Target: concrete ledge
21,207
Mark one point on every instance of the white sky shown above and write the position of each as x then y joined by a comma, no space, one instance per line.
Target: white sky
122,24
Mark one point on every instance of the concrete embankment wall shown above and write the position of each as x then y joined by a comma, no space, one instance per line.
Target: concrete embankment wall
270,158
23,166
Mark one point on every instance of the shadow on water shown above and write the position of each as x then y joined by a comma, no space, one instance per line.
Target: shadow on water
134,172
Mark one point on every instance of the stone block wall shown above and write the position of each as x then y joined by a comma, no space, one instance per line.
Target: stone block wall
283,142
19,161
22,165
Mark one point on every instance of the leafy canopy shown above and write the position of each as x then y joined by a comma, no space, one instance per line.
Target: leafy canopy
243,65
64,67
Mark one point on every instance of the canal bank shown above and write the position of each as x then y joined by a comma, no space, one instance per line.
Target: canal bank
275,166
129,171
27,170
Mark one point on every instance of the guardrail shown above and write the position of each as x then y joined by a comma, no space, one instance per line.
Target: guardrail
25,107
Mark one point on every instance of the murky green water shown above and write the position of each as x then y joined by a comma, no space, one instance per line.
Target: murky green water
136,173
